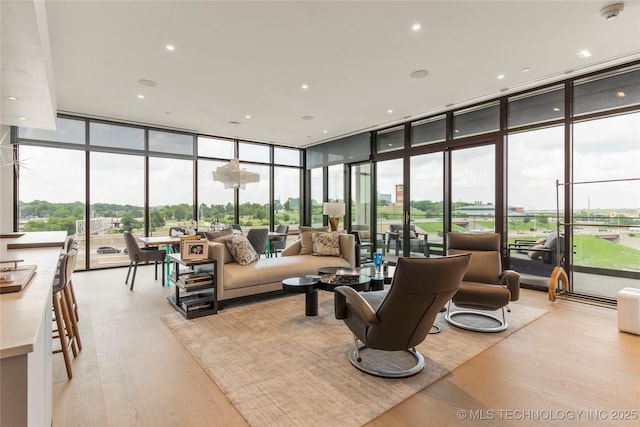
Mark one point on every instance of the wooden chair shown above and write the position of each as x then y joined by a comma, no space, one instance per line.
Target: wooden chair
63,328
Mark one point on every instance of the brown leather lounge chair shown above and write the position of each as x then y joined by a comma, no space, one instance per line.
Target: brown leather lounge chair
485,287
388,322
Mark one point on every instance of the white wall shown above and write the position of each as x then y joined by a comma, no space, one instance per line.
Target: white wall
6,181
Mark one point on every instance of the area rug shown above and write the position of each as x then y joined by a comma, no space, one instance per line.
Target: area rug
281,368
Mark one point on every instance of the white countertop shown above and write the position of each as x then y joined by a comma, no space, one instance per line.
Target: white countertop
21,312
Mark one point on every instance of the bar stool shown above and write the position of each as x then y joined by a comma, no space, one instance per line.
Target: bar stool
63,329
72,244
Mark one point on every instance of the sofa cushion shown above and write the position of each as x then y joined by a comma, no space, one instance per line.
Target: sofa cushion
241,249
325,243
306,238
212,235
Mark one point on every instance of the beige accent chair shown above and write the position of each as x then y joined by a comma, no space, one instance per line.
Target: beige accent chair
485,287
388,322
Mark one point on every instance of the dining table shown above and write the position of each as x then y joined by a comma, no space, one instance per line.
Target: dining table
159,241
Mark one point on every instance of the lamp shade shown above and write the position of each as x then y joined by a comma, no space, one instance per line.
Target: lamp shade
233,177
330,208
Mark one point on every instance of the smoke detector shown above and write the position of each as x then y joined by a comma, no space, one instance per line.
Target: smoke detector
612,11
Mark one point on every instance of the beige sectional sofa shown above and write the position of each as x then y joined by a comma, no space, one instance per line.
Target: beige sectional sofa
266,274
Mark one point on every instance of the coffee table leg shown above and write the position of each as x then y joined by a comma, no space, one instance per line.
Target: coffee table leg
311,303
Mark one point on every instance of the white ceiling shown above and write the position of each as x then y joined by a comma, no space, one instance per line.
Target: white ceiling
239,58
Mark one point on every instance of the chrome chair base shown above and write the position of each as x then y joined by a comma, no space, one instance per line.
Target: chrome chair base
355,357
501,324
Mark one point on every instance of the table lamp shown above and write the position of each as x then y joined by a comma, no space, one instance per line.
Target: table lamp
333,209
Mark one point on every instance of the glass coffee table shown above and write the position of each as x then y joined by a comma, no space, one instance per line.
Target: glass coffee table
309,286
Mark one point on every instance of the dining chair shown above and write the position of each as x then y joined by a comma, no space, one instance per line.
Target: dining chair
279,243
142,255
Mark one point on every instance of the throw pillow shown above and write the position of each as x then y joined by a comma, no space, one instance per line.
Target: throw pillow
241,249
326,243
536,254
227,257
212,235
306,238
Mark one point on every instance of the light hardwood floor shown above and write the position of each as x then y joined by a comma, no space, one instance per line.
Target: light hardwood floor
133,372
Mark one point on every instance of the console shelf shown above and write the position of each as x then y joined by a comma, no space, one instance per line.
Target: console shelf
196,286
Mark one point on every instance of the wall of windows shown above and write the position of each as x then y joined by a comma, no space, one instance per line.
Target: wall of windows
493,167
144,180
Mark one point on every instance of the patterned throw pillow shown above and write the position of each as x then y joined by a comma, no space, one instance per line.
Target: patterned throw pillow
306,238
241,249
326,244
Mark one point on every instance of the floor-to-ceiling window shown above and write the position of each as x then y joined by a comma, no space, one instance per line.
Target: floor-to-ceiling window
52,193
473,189
316,197
117,205
389,206
170,194
606,202
427,206
361,207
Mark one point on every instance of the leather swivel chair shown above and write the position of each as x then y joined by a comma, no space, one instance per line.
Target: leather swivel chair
138,255
397,320
485,287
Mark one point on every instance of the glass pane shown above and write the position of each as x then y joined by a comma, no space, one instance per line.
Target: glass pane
536,107
286,190
390,139
336,183
171,142
317,191
215,147
67,130
389,206
286,156
476,121
606,245
536,161
427,208
428,131
473,190
254,203
117,205
361,210
108,135
618,89
254,152
56,203
170,194
216,204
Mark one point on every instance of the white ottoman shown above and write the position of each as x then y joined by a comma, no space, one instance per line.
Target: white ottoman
629,310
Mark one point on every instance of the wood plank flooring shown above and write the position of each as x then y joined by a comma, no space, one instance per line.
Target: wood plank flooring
133,372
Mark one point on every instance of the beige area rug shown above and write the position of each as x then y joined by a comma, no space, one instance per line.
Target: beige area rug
281,368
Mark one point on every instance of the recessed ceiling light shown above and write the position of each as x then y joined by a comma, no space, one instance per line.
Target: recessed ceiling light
556,109
325,131
419,74
12,98
147,83
620,94
170,47
389,111
584,53
500,76
22,118
416,27
140,96
247,116
526,70
307,117
305,86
